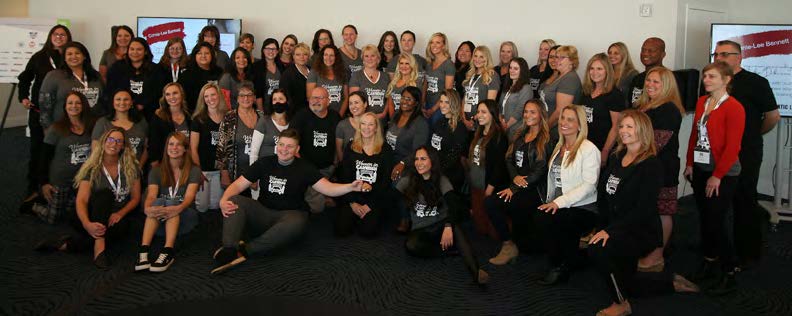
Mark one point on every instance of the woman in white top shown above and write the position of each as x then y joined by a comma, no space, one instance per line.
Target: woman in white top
570,208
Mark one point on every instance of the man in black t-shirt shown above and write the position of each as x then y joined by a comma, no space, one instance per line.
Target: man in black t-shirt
761,115
278,217
317,136
652,54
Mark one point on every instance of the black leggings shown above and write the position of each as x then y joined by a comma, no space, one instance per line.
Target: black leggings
35,175
748,216
425,242
346,221
716,217
520,209
100,207
563,231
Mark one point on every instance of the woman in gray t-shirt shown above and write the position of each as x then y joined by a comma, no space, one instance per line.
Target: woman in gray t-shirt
329,72
371,81
351,55
515,95
345,130
407,75
125,116
439,74
565,89
481,83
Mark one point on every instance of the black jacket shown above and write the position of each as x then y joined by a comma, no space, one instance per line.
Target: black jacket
36,69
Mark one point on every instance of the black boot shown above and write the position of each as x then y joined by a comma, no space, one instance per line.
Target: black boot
556,275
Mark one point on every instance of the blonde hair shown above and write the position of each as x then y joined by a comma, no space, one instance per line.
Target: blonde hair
431,57
588,83
549,43
303,47
454,107
202,110
669,93
487,72
625,65
357,141
92,168
371,49
513,47
582,132
411,80
571,52
644,133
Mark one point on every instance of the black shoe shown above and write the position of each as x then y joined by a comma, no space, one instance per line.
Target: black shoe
707,271
143,262
102,261
52,244
226,258
164,261
555,276
725,285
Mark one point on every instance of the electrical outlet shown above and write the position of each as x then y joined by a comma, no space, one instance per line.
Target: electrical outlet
646,10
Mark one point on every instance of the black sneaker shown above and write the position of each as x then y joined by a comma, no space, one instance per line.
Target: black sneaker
143,260
102,261
226,258
164,261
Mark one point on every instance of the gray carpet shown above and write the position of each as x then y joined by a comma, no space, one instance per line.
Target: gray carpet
322,275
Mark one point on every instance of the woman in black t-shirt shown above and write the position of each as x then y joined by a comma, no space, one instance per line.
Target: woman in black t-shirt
462,59
541,71
171,116
602,102
449,138
201,70
137,73
204,137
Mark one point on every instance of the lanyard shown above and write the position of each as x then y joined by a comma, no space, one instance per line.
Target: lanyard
717,105
83,81
52,62
473,82
173,190
175,72
505,99
116,187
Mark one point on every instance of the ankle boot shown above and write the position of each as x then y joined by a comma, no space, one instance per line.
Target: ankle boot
507,254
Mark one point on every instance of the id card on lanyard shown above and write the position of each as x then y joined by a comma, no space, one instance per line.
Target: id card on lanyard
471,98
116,187
703,151
172,191
175,72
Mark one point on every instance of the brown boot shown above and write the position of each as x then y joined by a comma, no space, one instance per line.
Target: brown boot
507,254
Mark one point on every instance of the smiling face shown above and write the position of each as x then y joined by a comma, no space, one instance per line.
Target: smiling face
532,115
175,51
74,57
479,60
407,42
544,50
123,38
436,45
300,57
122,102
286,148
350,36
464,54
568,123
389,43
445,105
506,54
404,66
175,148
597,72
329,57
614,55
288,46
552,59
203,58
483,115
113,144
74,106
368,126
407,103
514,70
173,96
245,98
209,38
422,163
211,98
627,131
271,51
653,85
59,38
136,52
356,105
240,61
371,59
652,53
247,44
319,101
563,62
324,39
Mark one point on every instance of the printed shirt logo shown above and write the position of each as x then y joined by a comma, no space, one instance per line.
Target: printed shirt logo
136,86
471,98
334,91
396,97
248,140
437,141
277,185
636,93
376,97
319,139
215,137
589,113
275,141
477,155
366,171
354,68
534,82
556,172
92,94
612,185
421,211
273,84
135,142
431,84
79,153
518,158
391,139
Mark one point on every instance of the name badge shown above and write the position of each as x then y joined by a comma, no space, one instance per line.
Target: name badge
701,157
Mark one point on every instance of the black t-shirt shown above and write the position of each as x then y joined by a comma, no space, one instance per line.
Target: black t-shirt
754,93
598,115
450,145
207,142
317,136
666,118
636,88
536,78
282,187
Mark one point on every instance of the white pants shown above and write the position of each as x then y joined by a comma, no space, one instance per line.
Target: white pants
209,196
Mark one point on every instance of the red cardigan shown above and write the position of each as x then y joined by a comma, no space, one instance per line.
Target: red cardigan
725,129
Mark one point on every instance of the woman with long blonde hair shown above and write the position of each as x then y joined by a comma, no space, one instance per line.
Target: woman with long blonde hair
542,70
439,75
204,137
623,68
603,102
481,83
406,75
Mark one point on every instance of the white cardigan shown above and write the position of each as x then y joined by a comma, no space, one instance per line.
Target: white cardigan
579,179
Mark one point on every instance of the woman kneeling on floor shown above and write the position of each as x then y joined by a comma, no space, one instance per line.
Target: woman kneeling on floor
171,193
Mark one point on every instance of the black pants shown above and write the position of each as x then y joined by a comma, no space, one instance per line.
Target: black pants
520,209
100,207
425,242
36,148
748,216
346,221
563,230
715,217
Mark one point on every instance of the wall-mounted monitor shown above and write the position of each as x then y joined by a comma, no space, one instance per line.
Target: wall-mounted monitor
158,30
767,51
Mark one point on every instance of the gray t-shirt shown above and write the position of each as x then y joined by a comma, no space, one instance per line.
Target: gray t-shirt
243,139
421,214
405,140
108,58
345,131
568,84
512,105
477,171
71,151
155,177
419,60
267,127
396,93
476,90
375,91
334,88
436,80
136,135
353,65
56,86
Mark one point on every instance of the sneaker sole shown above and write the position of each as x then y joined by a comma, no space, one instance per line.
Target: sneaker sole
227,266
162,268
142,267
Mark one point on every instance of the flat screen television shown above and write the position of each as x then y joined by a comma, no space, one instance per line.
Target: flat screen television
158,30
767,51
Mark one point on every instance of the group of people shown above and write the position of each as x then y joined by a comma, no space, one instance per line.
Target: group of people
533,155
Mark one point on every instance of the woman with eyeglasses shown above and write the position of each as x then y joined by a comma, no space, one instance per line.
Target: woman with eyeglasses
236,136
565,88
267,74
175,59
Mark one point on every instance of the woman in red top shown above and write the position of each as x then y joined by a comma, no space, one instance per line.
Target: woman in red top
713,167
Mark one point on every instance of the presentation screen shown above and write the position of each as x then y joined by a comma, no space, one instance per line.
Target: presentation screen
767,51
158,30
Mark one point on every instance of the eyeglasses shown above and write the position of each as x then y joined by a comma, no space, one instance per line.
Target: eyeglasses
408,99
59,35
723,54
113,140
561,57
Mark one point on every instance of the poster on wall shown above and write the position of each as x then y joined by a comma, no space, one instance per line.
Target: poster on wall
767,51
22,37
158,30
